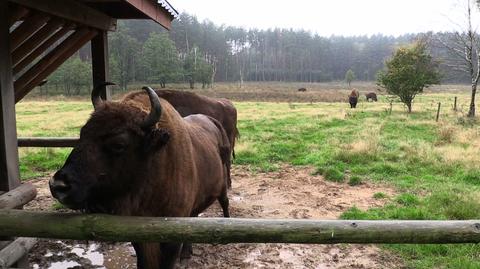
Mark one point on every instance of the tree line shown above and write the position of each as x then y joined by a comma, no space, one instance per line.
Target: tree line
200,53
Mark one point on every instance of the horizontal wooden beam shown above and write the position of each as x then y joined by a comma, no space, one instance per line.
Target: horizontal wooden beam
45,142
35,40
18,196
17,67
15,251
224,230
41,74
29,26
72,11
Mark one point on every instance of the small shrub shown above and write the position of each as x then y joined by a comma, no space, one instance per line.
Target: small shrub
58,206
333,174
446,135
355,181
407,199
380,195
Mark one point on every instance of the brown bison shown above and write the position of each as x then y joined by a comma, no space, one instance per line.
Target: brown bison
353,98
371,96
140,157
188,103
302,89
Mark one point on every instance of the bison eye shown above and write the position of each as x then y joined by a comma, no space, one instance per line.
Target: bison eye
116,148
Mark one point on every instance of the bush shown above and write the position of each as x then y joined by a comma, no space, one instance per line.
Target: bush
355,181
379,195
333,174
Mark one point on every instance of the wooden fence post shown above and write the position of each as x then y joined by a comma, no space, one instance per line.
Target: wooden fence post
438,111
455,104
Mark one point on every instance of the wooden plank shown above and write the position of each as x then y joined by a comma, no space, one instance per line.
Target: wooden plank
44,73
17,13
9,173
154,11
53,55
15,251
35,40
100,66
72,11
41,49
29,26
18,197
100,227
57,142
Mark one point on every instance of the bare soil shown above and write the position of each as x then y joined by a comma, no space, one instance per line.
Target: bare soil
290,192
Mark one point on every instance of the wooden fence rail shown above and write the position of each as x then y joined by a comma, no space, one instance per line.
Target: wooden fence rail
57,142
223,230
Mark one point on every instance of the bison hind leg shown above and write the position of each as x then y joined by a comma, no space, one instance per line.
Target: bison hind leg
224,203
187,251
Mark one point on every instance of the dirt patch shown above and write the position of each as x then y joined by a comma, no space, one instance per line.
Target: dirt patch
290,192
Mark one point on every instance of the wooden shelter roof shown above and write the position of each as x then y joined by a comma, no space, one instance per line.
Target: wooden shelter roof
37,36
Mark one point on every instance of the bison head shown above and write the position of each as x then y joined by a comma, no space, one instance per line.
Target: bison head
114,150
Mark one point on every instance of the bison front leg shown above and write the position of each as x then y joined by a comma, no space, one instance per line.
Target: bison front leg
156,255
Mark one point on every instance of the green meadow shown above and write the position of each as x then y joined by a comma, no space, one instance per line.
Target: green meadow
434,166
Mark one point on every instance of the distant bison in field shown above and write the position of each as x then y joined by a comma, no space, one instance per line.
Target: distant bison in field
139,157
302,89
353,98
371,96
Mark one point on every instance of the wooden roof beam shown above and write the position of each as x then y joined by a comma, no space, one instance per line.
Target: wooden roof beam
49,58
72,11
17,67
17,13
29,26
51,62
154,11
35,40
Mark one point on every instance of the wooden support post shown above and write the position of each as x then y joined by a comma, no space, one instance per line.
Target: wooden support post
51,67
100,62
17,67
438,111
18,197
455,104
26,29
35,40
15,251
9,173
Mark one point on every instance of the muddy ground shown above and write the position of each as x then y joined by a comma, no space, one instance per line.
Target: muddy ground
290,192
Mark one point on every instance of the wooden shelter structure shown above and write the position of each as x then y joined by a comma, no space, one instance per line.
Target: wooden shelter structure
37,36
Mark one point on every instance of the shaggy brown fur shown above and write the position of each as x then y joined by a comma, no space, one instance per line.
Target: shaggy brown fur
353,98
174,168
371,96
188,103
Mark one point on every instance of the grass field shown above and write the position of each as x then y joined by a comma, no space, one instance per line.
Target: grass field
434,166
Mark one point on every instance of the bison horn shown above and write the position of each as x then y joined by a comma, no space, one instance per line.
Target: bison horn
96,98
155,111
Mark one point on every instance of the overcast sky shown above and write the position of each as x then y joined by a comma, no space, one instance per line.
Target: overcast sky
327,17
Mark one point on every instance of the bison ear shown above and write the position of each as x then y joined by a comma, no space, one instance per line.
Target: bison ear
155,139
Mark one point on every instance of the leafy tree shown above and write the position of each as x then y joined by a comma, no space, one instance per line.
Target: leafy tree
160,60
349,76
72,76
124,50
197,69
408,72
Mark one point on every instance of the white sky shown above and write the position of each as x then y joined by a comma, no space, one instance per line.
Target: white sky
327,17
